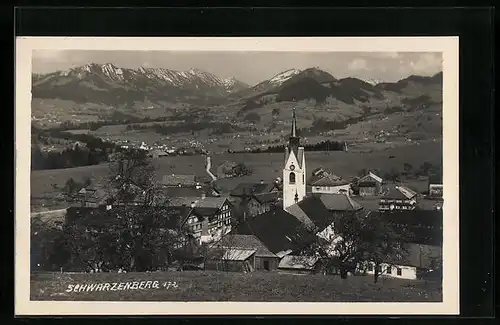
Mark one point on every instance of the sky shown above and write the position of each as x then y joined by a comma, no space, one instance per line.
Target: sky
252,67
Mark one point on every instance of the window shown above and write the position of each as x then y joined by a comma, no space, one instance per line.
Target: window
389,269
399,271
370,267
303,179
292,178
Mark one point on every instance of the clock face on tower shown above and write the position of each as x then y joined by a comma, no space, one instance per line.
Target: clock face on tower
292,167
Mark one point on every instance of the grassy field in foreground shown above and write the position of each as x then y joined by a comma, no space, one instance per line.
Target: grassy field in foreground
222,286
265,166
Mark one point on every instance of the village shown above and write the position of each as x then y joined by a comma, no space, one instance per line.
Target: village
276,225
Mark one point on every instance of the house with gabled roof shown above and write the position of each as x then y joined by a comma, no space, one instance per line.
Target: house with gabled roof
209,218
369,185
323,181
422,253
264,259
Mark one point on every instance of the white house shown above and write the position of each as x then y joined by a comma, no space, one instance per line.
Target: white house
326,182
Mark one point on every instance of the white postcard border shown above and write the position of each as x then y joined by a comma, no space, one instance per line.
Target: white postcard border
447,45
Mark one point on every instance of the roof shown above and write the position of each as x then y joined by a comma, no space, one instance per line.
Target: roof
398,192
339,202
277,229
175,180
298,213
316,211
421,256
370,177
227,164
327,180
298,262
230,254
252,188
184,191
266,197
198,201
245,242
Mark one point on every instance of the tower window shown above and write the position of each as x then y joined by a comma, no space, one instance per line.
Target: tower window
292,178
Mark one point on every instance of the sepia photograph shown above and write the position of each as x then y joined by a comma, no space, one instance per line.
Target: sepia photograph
317,172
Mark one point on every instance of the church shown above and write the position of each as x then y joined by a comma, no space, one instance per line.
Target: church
294,171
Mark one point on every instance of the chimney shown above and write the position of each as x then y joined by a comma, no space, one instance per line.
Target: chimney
262,181
203,195
193,204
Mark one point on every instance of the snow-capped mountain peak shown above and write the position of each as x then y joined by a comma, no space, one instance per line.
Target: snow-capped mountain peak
280,78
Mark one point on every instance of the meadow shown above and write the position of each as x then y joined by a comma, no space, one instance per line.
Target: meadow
226,286
264,166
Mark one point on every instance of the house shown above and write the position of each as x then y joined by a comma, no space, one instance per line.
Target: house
226,169
178,180
295,264
415,263
259,203
231,260
422,254
436,186
265,260
208,218
397,197
369,185
323,181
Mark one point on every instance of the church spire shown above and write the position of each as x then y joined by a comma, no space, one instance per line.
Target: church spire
294,125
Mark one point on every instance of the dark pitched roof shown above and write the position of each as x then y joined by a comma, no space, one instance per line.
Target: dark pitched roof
252,188
266,197
316,211
183,191
327,180
398,192
370,178
277,229
245,242
339,202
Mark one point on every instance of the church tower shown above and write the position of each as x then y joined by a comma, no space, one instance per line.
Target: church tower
294,171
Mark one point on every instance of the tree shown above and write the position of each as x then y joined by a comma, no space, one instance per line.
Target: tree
407,167
137,231
381,244
241,170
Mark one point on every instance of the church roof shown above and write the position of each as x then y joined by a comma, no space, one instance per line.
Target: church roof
339,202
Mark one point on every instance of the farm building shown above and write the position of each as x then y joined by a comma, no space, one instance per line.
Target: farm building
231,260
294,264
397,197
423,235
326,182
226,169
369,185
417,261
264,259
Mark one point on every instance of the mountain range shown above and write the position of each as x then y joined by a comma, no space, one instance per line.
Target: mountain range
138,89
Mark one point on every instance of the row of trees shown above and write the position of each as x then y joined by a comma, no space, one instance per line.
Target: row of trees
394,174
326,145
